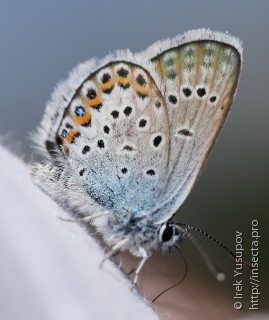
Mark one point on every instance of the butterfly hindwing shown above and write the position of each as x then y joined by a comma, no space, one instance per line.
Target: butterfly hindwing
115,136
199,82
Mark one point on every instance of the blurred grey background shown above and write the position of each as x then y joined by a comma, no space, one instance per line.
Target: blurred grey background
40,42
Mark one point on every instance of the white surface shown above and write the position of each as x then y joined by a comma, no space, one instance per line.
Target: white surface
49,269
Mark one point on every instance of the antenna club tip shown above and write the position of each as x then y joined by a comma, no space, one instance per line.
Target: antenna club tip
220,276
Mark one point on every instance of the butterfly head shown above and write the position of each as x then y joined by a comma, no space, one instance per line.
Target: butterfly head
170,236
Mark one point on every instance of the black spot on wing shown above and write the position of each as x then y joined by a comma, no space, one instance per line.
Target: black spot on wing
201,92
141,80
123,73
213,99
151,172
86,149
187,92
106,129
157,140
142,123
172,99
101,144
82,171
115,114
158,104
105,77
185,132
128,148
127,111
91,94
68,126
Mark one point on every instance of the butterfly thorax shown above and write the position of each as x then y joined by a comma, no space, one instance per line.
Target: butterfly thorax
140,232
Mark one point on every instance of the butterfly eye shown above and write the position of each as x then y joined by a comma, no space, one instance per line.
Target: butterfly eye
166,233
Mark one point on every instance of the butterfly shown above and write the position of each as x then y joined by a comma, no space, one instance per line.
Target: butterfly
126,137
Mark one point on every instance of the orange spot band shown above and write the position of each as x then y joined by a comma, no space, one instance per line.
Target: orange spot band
123,81
72,135
107,85
83,120
94,102
142,90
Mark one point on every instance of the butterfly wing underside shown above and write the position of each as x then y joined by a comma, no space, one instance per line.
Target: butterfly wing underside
199,83
138,130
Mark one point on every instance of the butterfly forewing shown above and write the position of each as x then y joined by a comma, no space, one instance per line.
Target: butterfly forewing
115,136
199,82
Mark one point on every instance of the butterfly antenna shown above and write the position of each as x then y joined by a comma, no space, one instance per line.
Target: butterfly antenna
205,254
179,282
219,275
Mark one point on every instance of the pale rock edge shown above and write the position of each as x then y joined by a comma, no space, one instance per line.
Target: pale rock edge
56,274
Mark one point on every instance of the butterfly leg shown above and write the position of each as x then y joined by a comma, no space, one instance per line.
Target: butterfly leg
86,218
115,249
145,257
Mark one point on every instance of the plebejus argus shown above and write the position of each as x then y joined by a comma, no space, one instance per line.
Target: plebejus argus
126,137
